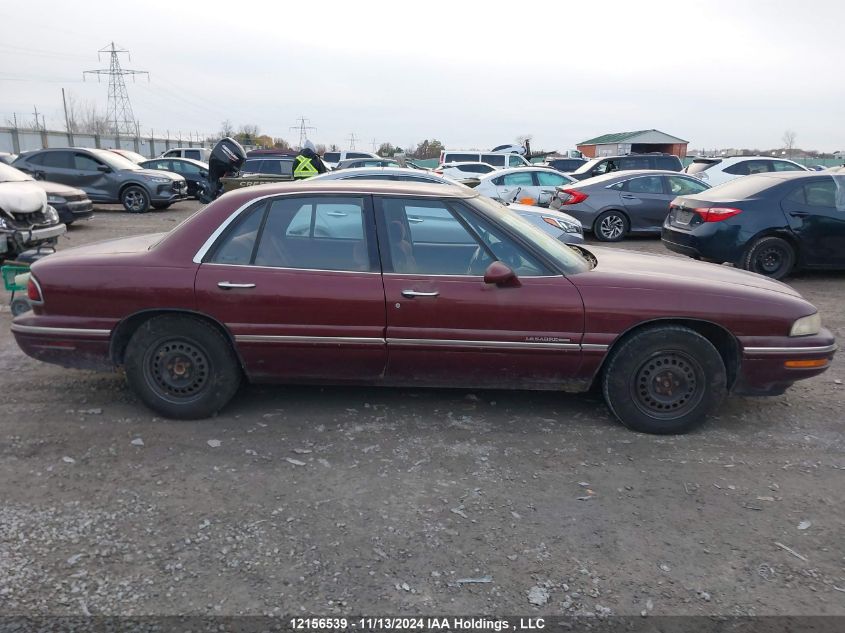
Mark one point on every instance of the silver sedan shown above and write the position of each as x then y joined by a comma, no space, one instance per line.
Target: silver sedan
559,225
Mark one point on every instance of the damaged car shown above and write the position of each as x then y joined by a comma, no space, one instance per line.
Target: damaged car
26,219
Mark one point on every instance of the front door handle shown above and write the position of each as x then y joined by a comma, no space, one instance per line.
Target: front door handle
414,220
410,294
799,214
228,285
628,196
337,214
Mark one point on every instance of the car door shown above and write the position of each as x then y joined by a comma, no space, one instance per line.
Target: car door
445,326
92,176
56,166
548,182
296,280
508,184
815,210
646,202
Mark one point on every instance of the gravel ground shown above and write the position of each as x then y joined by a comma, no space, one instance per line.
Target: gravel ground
399,501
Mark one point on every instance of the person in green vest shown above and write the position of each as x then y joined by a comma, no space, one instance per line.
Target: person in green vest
308,163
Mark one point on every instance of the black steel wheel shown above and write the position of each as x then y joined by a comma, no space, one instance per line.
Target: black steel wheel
135,199
610,226
770,256
664,379
182,367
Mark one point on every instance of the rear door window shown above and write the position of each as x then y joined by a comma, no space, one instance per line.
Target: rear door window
497,160
331,157
680,186
646,184
518,179
192,153
452,157
782,165
59,160
634,162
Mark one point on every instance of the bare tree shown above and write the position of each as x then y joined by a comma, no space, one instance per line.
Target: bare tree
85,118
226,128
321,149
788,140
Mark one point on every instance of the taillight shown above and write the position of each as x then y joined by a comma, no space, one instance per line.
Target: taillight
717,214
572,196
33,291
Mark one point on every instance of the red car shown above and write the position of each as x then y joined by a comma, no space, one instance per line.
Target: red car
397,283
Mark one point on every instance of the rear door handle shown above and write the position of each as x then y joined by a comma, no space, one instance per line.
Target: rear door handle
337,214
414,220
628,196
228,285
799,214
410,294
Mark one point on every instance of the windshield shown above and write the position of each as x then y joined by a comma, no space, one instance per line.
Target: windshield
115,161
10,174
583,169
569,260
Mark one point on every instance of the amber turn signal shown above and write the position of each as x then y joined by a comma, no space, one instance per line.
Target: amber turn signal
807,364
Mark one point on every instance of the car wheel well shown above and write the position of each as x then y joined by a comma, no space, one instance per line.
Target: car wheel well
124,330
603,211
724,342
772,232
126,186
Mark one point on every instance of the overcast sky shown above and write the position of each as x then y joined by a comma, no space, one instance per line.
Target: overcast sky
471,74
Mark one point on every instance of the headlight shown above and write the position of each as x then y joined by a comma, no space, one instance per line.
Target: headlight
806,326
52,214
54,199
159,179
563,225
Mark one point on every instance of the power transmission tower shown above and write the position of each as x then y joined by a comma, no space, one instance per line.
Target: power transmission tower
352,138
303,128
375,145
119,109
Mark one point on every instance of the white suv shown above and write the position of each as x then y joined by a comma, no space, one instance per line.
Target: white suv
499,160
715,171
331,159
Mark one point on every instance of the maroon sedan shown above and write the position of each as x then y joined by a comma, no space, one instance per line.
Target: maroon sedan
417,285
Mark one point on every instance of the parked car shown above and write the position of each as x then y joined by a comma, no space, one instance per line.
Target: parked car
558,225
715,171
627,162
71,204
768,223
260,171
464,170
194,153
106,177
194,172
565,165
535,185
261,286
331,159
135,157
500,159
26,219
367,162
619,203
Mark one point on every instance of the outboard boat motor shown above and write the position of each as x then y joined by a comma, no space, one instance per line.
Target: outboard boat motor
227,158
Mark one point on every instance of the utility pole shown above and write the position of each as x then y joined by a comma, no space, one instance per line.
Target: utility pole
37,123
67,118
352,138
375,144
303,128
119,108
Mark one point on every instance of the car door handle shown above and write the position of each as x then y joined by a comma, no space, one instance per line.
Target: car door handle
799,214
414,220
410,294
228,285
337,214
629,196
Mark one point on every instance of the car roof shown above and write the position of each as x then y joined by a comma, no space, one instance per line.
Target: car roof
375,187
511,170
466,162
792,175
193,161
627,174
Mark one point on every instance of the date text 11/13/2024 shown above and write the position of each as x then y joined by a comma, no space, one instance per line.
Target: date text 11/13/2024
421,624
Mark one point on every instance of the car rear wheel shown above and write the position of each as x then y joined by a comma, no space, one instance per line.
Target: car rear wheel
182,367
770,256
135,199
161,205
664,380
610,226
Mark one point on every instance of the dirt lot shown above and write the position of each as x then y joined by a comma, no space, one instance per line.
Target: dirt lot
385,501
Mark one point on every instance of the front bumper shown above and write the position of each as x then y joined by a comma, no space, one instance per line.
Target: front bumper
771,364
178,190
18,239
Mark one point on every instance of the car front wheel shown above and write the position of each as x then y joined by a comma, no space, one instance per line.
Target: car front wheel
182,367
664,380
770,256
135,199
610,226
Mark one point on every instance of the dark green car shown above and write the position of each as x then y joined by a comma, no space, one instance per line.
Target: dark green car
260,171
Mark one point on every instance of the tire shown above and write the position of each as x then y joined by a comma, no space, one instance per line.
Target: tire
652,361
182,367
19,306
770,256
135,199
160,205
611,226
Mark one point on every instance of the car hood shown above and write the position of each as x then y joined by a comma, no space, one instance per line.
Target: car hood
527,209
22,197
635,269
58,189
155,173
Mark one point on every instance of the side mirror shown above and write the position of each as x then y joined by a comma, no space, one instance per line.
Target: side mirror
501,275
104,168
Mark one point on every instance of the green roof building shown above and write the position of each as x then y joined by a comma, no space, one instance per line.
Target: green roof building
639,142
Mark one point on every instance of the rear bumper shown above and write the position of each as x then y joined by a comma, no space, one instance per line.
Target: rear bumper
712,241
765,367
77,348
